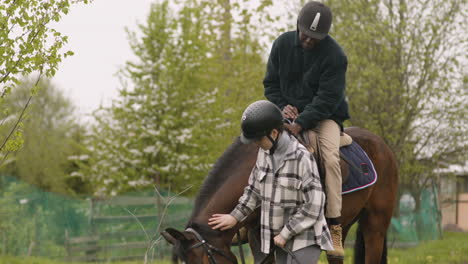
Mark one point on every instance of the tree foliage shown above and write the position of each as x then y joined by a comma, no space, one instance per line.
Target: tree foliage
405,81
198,65
49,133
28,44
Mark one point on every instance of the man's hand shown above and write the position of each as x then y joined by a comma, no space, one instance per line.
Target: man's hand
290,112
279,241
222,221
295,128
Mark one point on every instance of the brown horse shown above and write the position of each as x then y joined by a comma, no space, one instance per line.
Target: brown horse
372,207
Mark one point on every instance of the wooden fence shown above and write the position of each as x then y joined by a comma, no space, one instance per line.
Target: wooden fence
122,236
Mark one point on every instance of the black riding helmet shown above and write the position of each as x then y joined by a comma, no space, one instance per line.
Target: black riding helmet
315,20
259,119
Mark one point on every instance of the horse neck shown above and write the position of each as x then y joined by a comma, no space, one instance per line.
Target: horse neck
230,177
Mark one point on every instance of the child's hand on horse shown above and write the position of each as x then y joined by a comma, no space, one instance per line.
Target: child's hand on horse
279,241
222,221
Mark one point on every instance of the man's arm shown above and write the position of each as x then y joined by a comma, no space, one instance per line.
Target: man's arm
271,82
330,94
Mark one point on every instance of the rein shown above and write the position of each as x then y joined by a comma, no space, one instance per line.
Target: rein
239,243
209,249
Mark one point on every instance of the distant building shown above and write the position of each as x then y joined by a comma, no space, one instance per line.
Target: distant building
453,196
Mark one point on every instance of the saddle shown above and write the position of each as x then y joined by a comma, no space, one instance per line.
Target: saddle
312,144
357,170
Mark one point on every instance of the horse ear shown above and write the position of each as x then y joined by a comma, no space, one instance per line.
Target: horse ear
168,237
172,235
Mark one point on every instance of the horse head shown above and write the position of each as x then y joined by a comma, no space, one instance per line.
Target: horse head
199,244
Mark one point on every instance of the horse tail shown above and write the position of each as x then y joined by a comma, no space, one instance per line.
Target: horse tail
384,252
359,249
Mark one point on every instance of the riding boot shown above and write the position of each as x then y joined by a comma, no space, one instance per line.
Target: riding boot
338,251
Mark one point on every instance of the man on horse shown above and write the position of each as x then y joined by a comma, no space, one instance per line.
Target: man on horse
286,186
306,79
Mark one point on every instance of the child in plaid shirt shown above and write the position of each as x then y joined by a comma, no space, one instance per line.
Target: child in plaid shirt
286,185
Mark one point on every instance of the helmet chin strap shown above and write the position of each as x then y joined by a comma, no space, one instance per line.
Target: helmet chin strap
274,142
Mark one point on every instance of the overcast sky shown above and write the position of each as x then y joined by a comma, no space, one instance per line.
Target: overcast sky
97,37
96,34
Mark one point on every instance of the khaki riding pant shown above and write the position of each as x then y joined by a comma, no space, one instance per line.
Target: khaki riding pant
328,132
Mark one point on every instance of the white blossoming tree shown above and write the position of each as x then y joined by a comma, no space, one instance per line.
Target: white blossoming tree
181,100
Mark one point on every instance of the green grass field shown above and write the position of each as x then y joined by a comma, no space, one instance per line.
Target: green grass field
452,249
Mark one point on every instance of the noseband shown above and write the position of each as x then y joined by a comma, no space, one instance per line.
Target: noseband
208,248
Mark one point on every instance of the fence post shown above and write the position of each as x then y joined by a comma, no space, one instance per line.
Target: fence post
91,254
159,206
67,245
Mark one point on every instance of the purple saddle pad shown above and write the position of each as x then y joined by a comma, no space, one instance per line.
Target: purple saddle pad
362,174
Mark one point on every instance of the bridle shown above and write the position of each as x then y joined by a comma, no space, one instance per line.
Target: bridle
208,248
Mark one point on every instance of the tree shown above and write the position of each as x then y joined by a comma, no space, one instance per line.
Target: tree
48,132
406,78
28,45
198,66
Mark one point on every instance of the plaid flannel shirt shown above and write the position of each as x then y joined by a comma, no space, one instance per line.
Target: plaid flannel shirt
292,200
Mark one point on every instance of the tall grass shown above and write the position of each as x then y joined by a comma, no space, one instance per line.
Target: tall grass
452,249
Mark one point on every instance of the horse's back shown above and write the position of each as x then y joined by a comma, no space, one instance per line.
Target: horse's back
367,140
383,158
375,147
377,201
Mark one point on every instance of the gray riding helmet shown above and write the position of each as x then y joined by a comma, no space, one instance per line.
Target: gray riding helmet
315,20
259,119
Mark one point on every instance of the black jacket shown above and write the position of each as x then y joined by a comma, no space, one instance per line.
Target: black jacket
311,80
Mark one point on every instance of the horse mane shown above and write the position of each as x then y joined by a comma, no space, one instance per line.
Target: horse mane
217,175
